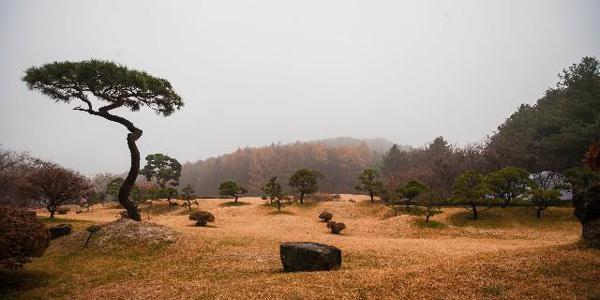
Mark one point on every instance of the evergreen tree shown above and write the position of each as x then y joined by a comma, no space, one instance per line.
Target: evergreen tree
116,85
305,181
471,191
369,183
272,189
508,183
165,171
231,189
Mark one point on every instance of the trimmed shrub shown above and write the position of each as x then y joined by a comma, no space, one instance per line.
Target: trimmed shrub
325,216
203,217
92,229
194,215
336,227
22,236
63,210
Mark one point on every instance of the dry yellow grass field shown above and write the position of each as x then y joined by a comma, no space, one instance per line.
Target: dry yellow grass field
508,254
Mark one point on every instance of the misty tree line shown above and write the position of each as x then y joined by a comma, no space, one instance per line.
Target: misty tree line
252,167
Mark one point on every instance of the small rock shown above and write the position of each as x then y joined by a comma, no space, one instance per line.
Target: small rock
60,230
306,256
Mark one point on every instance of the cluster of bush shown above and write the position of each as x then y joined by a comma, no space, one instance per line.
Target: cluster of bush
22,236
333,226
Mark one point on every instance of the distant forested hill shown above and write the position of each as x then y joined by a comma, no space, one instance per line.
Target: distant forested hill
340,159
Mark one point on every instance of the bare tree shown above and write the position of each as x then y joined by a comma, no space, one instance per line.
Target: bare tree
55,185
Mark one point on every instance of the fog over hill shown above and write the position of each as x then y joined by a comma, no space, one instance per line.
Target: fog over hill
340,160
378,144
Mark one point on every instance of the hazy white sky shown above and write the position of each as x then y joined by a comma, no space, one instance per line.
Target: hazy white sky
256,72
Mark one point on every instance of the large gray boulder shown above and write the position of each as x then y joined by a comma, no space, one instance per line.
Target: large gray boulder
306,256
60,230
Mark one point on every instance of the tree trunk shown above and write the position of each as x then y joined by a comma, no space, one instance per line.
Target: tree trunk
474,212
236,197
427,217
301,198
591,233
132,210
88,240
371,195
538,213
133,135
52,214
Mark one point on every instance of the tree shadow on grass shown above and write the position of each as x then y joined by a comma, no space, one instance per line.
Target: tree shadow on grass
205,226
306,204
13,282
431,224
233,203
283,212
465,218
512,217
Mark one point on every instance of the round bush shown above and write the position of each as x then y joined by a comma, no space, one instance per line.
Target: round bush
336,227
22,236
193,215
202,217
325,216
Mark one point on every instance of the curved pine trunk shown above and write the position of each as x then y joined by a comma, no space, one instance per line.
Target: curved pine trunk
129,181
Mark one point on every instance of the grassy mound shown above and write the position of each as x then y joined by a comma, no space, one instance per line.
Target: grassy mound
125,232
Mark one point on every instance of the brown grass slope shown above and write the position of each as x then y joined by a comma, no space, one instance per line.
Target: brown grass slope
508,254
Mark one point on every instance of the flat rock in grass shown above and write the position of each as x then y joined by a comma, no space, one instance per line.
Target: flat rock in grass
60,230
306,256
